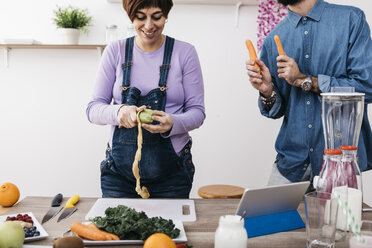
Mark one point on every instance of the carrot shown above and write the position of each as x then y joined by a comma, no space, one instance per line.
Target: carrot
109,236
279,45
252,53
87,232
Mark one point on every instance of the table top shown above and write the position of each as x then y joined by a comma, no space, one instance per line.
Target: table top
200,234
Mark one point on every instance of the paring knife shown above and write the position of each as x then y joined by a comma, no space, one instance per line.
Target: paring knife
69,207
55,208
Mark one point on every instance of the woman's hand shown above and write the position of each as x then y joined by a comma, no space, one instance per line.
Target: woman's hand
127,116
165,123
260,81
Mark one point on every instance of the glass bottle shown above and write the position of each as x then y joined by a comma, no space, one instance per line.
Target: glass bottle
354,180
332,180
111,33
231,232
131,31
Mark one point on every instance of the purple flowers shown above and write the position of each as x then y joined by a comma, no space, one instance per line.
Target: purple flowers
270,13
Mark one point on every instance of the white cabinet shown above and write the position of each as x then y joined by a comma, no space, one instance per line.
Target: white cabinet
208,2
237,3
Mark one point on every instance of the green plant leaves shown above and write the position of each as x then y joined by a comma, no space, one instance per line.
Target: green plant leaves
129,224
71,17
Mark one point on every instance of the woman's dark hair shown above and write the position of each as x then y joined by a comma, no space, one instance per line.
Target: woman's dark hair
132,6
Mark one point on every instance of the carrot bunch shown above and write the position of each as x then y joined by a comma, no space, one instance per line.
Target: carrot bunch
92,232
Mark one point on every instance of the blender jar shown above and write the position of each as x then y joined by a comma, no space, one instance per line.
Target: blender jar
342,115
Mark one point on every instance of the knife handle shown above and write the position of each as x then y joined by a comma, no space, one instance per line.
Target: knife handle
72,201
56,202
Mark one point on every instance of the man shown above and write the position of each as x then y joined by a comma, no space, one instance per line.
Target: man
326,46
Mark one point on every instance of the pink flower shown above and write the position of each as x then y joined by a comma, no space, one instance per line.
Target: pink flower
270,13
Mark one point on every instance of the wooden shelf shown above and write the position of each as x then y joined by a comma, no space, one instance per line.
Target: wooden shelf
8,47
50,46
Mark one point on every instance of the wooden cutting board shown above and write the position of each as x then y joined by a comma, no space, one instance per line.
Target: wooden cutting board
168,209
3,210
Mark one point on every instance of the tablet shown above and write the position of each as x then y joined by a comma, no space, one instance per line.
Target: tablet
271,199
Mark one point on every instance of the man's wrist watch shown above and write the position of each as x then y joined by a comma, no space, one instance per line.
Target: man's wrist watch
307,84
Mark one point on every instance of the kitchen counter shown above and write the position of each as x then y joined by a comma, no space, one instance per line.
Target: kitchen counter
200,234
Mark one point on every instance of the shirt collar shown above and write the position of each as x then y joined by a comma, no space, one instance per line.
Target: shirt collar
315,13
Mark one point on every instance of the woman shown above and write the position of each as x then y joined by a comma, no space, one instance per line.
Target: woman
152,71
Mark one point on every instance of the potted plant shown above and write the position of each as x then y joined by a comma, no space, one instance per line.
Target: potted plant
72,20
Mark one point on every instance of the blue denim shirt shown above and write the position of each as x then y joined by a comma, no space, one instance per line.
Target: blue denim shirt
332,42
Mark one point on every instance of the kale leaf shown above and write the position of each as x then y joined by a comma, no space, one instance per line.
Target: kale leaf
129,224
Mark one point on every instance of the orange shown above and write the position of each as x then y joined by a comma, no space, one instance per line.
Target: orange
159,240
9,194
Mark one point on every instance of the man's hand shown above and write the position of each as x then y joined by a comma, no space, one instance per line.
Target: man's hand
165,122
127,116
261,82
289,71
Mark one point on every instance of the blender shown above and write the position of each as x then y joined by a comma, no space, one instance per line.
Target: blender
342,115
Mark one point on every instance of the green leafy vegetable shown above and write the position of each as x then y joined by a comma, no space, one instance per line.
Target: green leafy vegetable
129,224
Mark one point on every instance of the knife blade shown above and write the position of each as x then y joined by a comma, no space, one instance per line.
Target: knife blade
69,207
55,208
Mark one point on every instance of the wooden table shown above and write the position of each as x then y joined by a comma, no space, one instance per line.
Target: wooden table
200,234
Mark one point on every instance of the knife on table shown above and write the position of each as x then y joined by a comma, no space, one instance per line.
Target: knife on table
69,208
55,208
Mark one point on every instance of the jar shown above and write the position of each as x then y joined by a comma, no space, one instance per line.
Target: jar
131,31
354,180
332,179
111,33
231,232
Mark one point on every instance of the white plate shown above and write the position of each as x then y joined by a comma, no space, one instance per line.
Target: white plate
166,208
43,233
180,239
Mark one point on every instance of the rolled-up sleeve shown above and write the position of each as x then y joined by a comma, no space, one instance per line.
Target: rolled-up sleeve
359,61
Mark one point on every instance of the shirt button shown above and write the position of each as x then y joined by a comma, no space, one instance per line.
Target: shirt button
305,18
308,102
307,56
310,126
311,149
306,32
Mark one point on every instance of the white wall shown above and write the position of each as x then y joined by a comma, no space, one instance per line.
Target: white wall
48,146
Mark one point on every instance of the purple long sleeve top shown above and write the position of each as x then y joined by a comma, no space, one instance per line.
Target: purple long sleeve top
185,92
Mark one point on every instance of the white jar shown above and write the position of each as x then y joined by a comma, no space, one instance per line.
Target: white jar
230,232
111,33
131,31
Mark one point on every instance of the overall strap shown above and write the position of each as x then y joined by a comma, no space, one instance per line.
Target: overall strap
128,62
164,68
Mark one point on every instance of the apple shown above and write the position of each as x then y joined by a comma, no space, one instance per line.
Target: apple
12,235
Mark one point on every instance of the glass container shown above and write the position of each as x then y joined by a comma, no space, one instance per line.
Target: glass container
342,115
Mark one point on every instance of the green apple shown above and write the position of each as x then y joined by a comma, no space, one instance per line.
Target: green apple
146,116
12,235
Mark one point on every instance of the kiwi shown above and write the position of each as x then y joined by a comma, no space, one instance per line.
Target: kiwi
146,116
69,242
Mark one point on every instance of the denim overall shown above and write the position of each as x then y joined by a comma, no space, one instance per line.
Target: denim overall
165,173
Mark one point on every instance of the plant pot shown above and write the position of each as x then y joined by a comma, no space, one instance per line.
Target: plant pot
70,36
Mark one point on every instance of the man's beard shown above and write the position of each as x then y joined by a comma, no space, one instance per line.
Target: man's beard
289,2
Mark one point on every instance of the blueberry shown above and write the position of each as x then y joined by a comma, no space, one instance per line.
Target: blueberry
37,233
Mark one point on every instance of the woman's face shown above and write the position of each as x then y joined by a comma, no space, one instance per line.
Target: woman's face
149,25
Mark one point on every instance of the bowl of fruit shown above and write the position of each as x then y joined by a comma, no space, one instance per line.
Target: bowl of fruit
32,228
